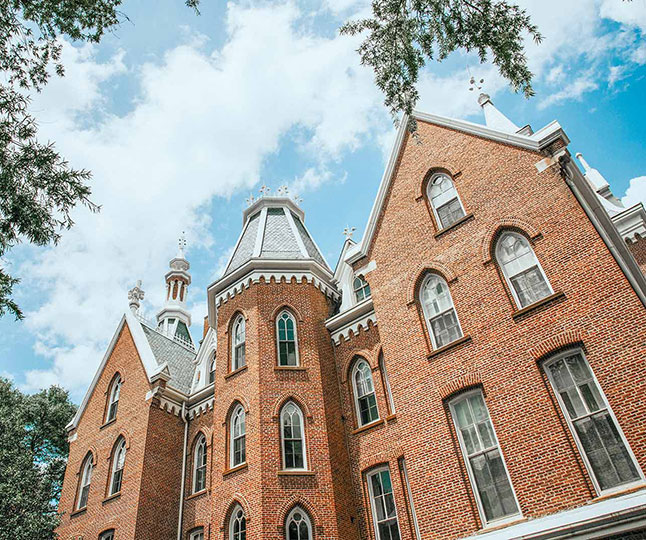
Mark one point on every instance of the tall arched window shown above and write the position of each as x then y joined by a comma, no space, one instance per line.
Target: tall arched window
521,268
364,393
440,314
361,288
237,430
239,338
298,525
118,462
287,344
444,200
212,369
84,483
113,398
199,464
238,524
197,534
292,434
107,535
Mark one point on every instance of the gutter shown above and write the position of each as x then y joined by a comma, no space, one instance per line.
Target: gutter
181,493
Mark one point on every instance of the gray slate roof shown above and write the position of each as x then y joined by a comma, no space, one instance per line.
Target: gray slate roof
178,358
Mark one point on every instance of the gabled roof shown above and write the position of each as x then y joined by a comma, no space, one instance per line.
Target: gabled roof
536,142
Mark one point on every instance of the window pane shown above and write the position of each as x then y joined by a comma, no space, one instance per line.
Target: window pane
450,213
446,328
530,286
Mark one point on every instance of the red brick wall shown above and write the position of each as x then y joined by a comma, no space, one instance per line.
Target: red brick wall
499,185
638,249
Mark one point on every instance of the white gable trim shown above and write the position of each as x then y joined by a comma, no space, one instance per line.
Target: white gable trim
535,142
143,349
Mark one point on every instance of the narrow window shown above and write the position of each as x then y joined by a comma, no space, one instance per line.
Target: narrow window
118,462
238,437
382,502
299,526
238,524
287,344
113,400
485,463
107,535
361,288
364,393
439,311
199,465
522,270
84,484
593,425
293,437
386,381
198,534
444,200
212,369
239,338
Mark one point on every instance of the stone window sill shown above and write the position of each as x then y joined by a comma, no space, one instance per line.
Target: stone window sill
290,368
236,372
391,418
621,490
463,340
78,512
369,426
111,498
108,423
455,225
196,495
235,469
536,305
296,473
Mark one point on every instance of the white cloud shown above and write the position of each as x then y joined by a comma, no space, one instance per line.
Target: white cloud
636,192
574,90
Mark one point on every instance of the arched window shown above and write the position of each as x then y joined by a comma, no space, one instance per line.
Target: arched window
364,393
522,270
84,483
107,535
199,464
238,354
444,200
238,524
212,369
287,344
113,398
238,437
197,534
298,525
118,462
292,434
382,503
440,314
361,288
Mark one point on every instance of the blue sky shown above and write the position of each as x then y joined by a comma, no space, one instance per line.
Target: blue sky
180,117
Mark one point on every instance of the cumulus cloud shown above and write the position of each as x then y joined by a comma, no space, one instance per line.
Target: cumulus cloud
636,192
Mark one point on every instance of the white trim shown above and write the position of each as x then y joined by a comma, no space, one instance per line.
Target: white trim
384,374
260,234
409,491
474,487
354,326
371,494
200,441
232,517
234,344
429,186
234,414
296,234
306,518
427,317
582,453
355,392
303,438
291,316
197,534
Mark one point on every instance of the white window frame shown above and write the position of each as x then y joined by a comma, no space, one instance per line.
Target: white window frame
356,396
85,481
115,393
429,185
197,534
121,446
306,519
510,285
201,442
384,374
364,285
234,415
299,412
575,435
240,320
371,495
427,315
467,462
278,341
232,520
210,369
107,535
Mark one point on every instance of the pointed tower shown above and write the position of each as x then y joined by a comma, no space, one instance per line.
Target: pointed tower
174,318
497,120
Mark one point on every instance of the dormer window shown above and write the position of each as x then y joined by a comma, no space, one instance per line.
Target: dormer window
361,288
445,201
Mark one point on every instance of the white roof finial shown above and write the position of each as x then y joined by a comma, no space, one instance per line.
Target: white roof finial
494,118
135,295
579,156
349,231
592,175
181,246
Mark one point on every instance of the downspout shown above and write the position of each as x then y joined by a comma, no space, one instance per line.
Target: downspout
181,493
590,212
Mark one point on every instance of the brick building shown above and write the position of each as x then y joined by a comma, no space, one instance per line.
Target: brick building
472,368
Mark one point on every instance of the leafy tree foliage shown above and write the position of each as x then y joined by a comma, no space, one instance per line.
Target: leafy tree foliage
403,34
33,450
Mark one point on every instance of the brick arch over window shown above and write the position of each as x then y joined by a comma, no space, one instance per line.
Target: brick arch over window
488,246
296,398
237,400
464,382
354,357
234,318
92,451
287,307
237,499
557,343
439,168
309,508
417,276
